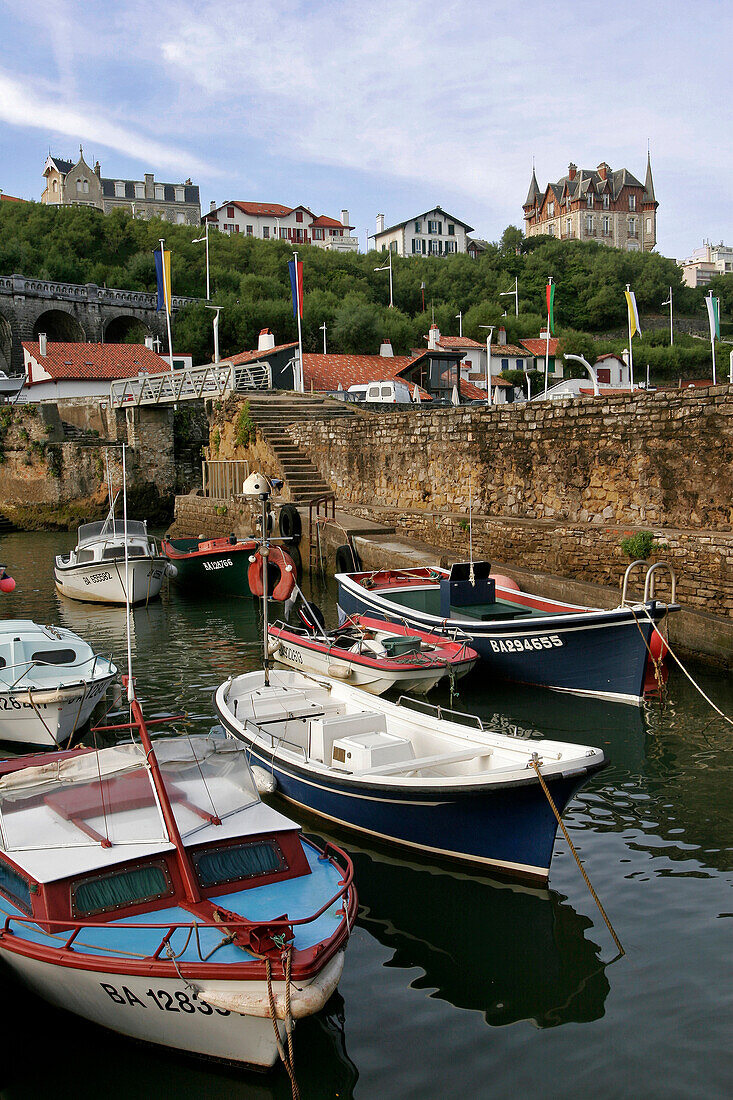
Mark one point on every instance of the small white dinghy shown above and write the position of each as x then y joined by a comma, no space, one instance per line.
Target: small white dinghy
50,682
95,569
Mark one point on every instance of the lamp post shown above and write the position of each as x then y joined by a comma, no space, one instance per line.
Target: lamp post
459,318
488,362
422,291
388,267
198,240
515,295
217,311
323,330
589,368
668,302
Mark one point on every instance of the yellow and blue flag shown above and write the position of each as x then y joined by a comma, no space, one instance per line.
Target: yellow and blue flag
163,275
633,312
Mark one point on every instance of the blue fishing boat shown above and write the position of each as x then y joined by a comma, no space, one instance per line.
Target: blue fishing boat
519,636
423,779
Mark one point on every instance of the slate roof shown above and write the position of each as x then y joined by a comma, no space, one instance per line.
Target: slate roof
589,180
190,191
64,166
94,361
243,357
420,217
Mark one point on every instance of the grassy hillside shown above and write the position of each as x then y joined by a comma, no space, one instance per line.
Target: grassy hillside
249,279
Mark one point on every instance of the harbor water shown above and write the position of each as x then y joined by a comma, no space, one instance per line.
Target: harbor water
456,985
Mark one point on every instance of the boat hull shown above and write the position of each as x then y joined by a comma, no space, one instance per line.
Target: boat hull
48,716
374,680
220,572
599,653
104,582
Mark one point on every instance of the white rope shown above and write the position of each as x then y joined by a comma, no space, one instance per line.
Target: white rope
687,674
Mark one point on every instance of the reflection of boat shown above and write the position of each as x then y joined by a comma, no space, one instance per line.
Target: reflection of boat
519,636
205,566
171,879
50,682
371,654
94,571
477,940
443,788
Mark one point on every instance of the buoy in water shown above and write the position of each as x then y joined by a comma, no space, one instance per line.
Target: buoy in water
7,584
265,782
171,569
658,647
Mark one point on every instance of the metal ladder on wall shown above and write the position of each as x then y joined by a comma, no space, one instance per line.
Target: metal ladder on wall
328,503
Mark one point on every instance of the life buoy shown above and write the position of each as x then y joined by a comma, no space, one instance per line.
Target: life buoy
347,560
290,523
278,561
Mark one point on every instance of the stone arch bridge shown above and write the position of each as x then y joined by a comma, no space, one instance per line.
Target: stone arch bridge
71,313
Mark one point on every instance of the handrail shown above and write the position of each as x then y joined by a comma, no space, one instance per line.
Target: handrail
649,582
629,570
439,710
331,851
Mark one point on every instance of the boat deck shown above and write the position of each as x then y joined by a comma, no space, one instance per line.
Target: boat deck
427,600
297,897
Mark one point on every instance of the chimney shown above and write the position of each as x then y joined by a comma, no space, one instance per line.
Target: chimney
433,337
212,206
603,169
266,341
344,217
149,342
385,349
98,170
380,223
572,169
42,343
501,336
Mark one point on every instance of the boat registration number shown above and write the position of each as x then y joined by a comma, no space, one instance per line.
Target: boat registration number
162,1000
519,645
15,704
291,655
223,564
96,578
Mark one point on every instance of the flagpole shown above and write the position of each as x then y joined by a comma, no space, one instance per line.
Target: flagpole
547,344
631,346
671,328
165,296
711,315
301,380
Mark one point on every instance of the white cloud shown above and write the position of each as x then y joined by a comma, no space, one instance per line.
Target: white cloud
49,112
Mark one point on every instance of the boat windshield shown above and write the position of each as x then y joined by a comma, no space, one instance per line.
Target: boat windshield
112,528
108,798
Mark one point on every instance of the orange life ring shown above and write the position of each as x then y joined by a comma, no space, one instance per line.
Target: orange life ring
286,568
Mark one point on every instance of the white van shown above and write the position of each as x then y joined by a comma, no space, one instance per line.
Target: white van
388,391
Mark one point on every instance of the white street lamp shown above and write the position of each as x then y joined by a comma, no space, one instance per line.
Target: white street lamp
459,318
388,267
589,368
323,330
668,302
198,240
488,362
217,311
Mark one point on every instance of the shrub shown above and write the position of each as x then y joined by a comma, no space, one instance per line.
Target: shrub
244,429
638,546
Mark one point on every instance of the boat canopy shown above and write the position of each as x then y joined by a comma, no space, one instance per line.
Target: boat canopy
112,528
107,798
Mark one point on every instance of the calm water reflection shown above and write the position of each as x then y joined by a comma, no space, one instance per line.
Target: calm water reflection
455,985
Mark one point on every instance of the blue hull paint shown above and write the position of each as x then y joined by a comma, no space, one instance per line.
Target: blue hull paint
594,652
511,828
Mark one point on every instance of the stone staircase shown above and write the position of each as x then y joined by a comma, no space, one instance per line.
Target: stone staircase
271,413
74,434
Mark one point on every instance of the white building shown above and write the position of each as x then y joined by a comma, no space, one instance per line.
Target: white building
270,221
705,263
58,370
434,233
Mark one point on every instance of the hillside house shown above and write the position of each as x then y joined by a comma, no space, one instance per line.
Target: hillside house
268,221
432,233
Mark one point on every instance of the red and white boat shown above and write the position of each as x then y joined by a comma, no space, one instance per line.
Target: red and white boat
147,888
372,654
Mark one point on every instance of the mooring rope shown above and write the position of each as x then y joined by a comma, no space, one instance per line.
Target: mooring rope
286,1057
534,761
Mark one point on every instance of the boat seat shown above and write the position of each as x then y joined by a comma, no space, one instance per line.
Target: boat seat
436,760
324,731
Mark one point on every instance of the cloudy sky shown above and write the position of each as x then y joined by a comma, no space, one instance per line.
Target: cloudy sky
378,105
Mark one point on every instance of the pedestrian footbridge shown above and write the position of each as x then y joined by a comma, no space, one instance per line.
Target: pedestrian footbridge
189,384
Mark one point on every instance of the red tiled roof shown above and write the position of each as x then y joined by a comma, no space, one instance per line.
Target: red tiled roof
252,356
471,392
11,198
609,355
511,350
323,221
538,347
326,371
266,209
449,342
94,361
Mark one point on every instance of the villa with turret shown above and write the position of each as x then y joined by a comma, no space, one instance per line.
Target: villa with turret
604,205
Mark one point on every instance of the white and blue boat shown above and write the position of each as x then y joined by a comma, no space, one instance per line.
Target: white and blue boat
435,782
519,636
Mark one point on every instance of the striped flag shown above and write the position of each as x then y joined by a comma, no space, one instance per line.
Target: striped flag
633,312
550,289
296,285
163,275
713,305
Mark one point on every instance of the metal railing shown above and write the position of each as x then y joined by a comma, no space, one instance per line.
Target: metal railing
224,478
189,384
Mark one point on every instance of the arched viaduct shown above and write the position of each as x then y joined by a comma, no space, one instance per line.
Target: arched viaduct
69,312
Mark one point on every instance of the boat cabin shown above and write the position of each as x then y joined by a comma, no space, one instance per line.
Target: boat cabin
105,541
24,645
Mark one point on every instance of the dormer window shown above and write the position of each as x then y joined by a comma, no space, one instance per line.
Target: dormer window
139,190
119,189
606,202
632,202
179,194
589,201
551,210
159,192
